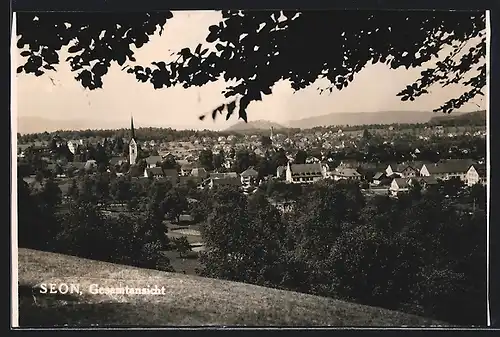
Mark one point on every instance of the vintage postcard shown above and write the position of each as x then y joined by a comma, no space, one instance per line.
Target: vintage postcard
250,168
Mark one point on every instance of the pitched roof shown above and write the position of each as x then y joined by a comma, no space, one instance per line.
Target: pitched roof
378,175
153,160
428,180
90,163
249,172
216,175
199,172
171,173
450,166
227,181
401,182
480,169
156,171
347,172
306,169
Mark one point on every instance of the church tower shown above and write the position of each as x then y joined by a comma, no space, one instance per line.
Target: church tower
132,145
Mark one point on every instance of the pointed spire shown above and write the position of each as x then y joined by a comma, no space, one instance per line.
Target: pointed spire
132,131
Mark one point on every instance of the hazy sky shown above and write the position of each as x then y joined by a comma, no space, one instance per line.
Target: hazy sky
374,89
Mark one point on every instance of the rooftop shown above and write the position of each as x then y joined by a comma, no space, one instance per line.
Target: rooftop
450,166
314,168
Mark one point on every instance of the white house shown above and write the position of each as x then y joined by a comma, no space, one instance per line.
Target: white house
399,185
476,174
154,172
447,169
249,177
404,170
304,173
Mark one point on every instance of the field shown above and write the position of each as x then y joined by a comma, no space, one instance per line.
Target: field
188,300
188,264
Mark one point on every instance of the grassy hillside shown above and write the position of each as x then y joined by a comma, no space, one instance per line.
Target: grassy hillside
188,300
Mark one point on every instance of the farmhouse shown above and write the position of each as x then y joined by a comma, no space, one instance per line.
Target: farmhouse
476,174
152,161
346,174
304,173
447,169
249,177
399,185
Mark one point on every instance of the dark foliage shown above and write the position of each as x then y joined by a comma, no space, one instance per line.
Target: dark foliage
256,49
416,254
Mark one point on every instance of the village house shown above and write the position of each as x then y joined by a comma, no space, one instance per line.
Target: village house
399,185
199,172
186,168
226,181
160,173
222,175
281,172
304,173
404,170
346,173
249,177
154,172
476,174
73,146
152,161
312,160
283,206
90,165
379,178
447,169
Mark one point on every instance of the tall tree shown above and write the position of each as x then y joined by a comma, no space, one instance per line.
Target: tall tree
174,204
206,159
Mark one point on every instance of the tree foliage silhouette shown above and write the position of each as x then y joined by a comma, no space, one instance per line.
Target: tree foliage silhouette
253,50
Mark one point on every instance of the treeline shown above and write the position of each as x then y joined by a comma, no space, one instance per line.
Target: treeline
156,134
417,254
476,119
82,222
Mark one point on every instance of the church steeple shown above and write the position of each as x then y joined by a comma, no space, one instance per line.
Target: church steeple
132,146
132,131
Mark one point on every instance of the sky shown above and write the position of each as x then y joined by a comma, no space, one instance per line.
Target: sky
60,97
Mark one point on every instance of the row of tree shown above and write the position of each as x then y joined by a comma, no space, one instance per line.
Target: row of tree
416,254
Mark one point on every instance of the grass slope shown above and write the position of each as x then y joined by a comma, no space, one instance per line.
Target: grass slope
188,300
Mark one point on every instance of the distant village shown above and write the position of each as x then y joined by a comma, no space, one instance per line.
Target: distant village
377,177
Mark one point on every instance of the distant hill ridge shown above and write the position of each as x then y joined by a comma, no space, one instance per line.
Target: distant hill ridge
364,118
255,125
474,117
28,124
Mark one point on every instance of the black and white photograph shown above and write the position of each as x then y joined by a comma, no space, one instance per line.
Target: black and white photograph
250,168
